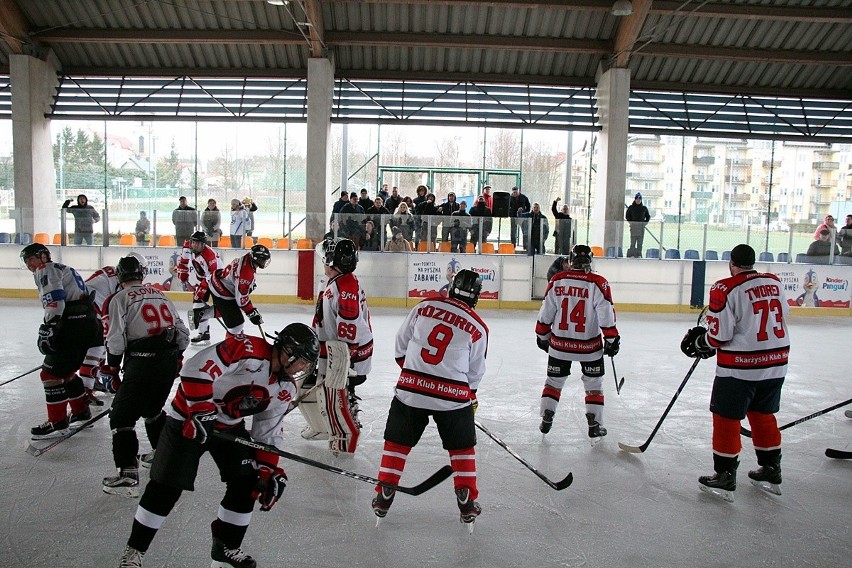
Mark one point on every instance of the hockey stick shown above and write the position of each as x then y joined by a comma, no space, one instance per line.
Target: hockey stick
618,384
747,433
21,375
35,452
559,485
422,487
702,320
838,454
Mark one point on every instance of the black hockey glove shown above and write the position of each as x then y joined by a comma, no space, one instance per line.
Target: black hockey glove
196,317
611,346
694,344
47,337
201,420
543,344
255,317
270,485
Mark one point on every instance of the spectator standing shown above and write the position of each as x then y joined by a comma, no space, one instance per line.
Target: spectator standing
421,193
539,230
394,200
384,193
143,227
446,209
239,221
518,203
250,207
380,215
747,332
822,246
427,217
364,200
351,219
459,229
184,220
845,235
480,227
85,217
211,221
827,224
562,232
344,199
489,199
637,216
371,239
403,220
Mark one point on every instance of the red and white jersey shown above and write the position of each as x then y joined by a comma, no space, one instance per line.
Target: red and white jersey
101,285
236,373
58,284
747,324
204,263
138,312
577,307
235,281
342,314
441,348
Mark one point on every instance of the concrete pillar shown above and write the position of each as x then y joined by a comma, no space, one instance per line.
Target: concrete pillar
318,162
34,83
613,94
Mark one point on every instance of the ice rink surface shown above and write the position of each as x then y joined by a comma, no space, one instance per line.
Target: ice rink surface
623,510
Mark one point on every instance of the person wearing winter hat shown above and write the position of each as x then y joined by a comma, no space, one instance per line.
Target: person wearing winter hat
637,216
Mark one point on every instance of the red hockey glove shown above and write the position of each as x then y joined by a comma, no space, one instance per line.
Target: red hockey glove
108,376
270,485
201,420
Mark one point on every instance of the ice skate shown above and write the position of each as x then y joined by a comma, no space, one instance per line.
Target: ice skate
223,556
309,433
201,339
468,508
354,410
596,431
77,420
382,502
47,430
145,460
126,483
546,421
768,478
131,558
721,484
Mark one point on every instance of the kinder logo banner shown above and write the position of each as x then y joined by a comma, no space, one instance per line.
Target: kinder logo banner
432,275
817,286
162,271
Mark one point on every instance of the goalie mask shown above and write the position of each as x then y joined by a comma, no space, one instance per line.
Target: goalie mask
581,258
298,342
341,254
466,287
129,268
260,256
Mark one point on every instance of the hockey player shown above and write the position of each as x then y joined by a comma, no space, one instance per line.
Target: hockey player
576,310
341,315
441,348
101,285
232,285
747,320
205,261
219,386
69,329
145,330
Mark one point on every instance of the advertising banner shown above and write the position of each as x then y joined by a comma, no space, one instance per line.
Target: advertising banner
431,275
816,286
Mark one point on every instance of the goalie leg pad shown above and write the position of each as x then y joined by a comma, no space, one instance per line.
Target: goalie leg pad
343,428
337,365
317,428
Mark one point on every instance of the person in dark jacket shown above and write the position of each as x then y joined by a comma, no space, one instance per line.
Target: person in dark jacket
184,220
426,214
446,209
351,219
822,246
539,230
518,203
380,215
364,201
84,217
143,227
211,221
459,226
562,232
480,227
637,216
392,202
845,235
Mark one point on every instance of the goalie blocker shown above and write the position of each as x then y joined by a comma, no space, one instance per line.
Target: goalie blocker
326,409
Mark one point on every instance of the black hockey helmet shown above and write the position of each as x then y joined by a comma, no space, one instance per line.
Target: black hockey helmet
299,341
35,249
129,268
581,257
466,287
260,256
199,236
341,254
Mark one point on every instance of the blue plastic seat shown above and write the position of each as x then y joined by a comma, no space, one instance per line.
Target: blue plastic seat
800,257
5,238
652,253
26,239
783,257
766,257
726,255
711,255
611,252
673,253
690,254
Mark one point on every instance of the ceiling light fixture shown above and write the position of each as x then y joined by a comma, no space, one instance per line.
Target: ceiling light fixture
621,8
277,2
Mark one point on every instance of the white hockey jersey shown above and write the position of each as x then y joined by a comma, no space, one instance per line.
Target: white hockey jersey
235,282
139,312
576,309
58,284
342,314
441,348
236,373
101,285
747,324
